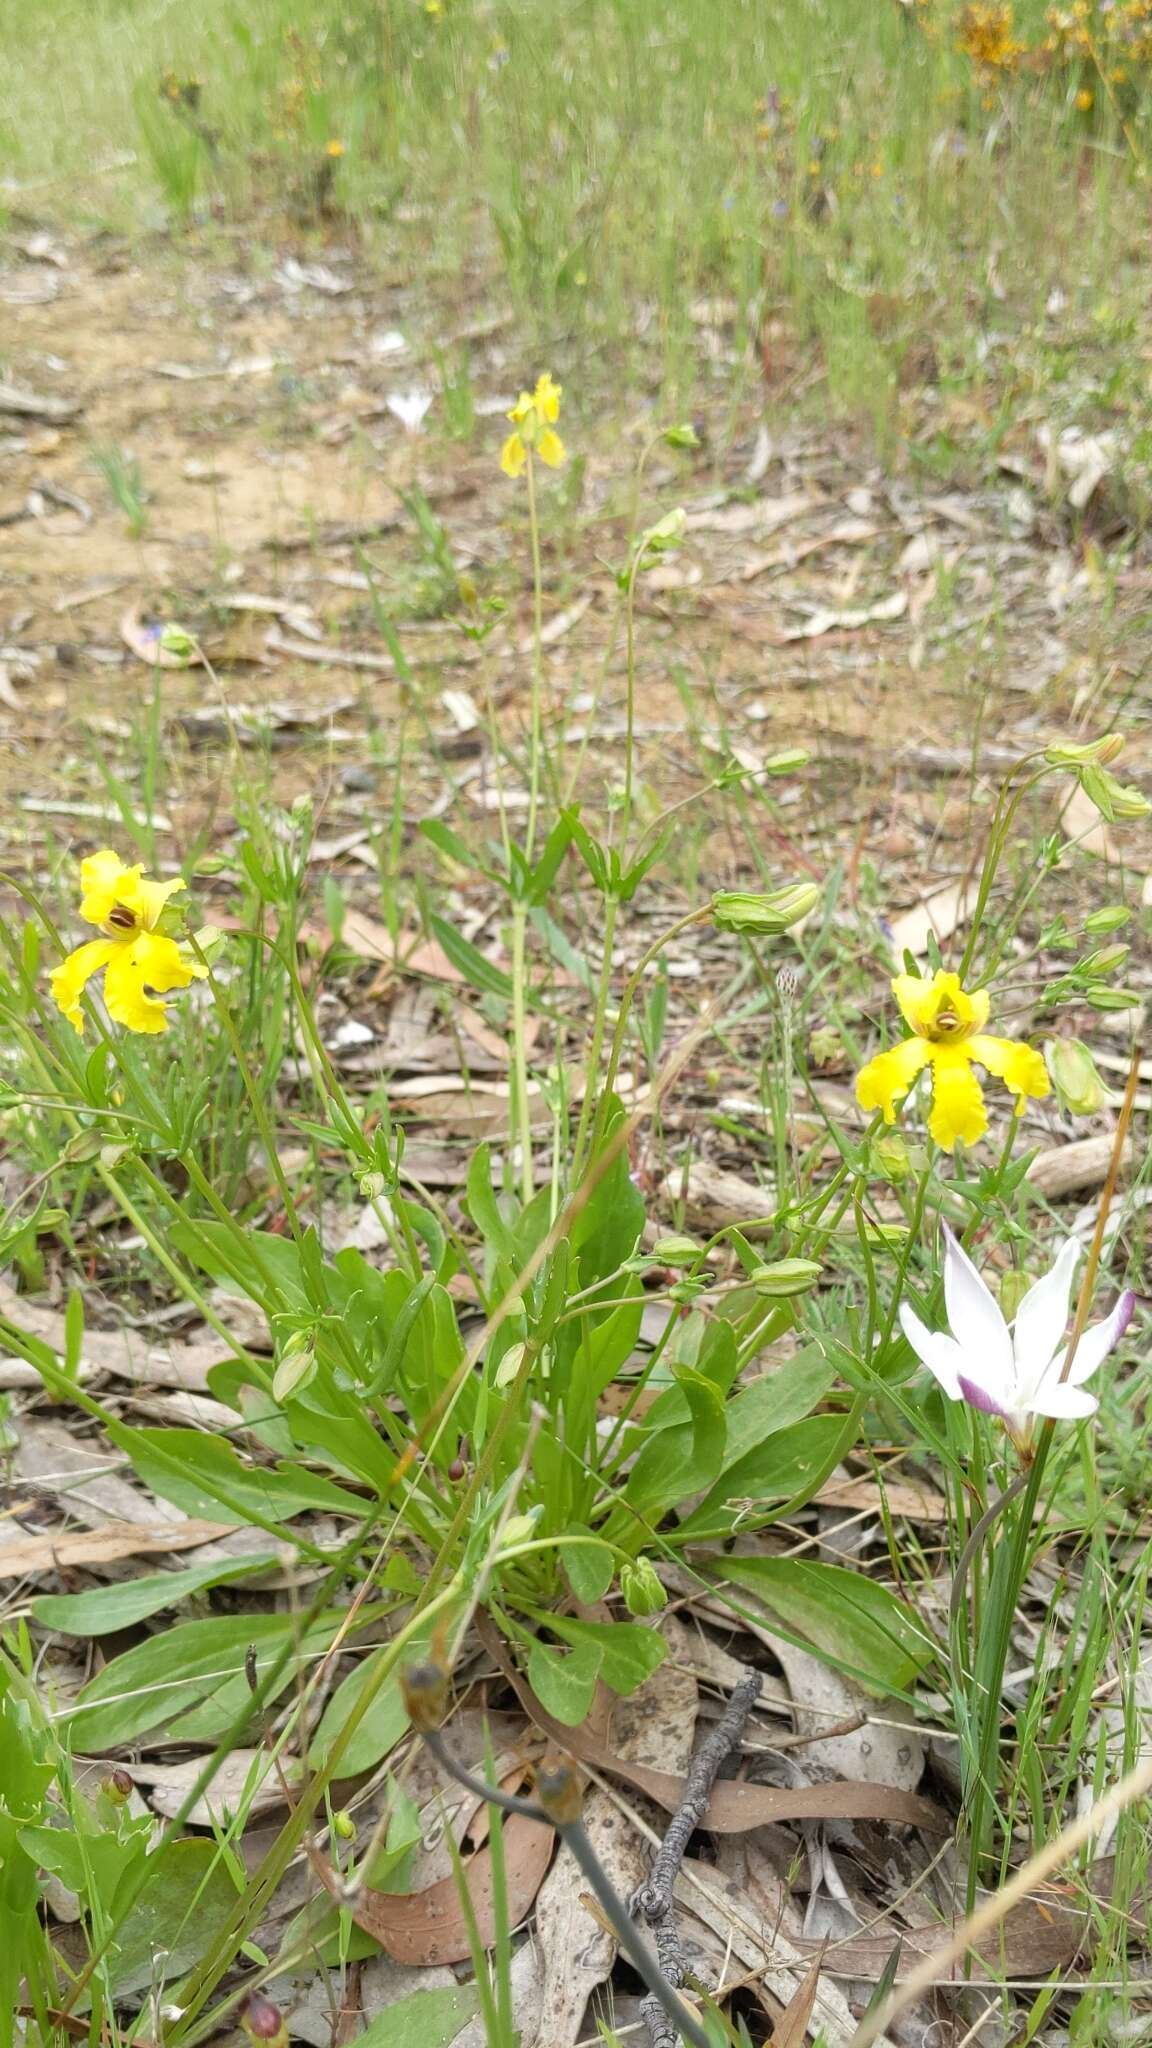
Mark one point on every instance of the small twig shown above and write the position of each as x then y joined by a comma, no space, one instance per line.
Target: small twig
655,1898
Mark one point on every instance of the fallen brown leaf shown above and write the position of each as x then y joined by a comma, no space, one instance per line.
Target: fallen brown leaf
104,1546
734,1806
791,2029
429,1927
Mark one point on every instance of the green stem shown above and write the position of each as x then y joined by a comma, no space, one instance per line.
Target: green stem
536,741
599,1026
630,987
522,1116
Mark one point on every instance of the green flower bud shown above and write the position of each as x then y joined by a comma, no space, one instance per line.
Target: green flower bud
1109,919
682,436
786,1277
1071,755
675,1251
787,761
1078,1086
667,533
1112,799
372,1186
1102,997
178,641
343,1826
1013,1287
296,1367
641,1587
891,1157
736,910
1107,959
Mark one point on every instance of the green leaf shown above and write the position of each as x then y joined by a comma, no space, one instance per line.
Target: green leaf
788,1466
776,1400
186,1898
588,1567
470,961
384,1721
686,1456
190,1681
434,2018
484,1206
628,1653
111,1607
203,1474
565,1680
857,1625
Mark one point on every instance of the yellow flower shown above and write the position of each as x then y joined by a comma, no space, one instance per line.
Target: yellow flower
335,148
1085,100
533,420
949,1036
136,957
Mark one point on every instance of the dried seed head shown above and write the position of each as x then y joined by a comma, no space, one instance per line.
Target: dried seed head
425,1692
559,1790
264,2021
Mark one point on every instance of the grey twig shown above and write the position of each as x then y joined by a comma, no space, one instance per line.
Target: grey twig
492,1793
654,1899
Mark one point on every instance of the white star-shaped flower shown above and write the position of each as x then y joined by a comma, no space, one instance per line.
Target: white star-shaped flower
1015,1372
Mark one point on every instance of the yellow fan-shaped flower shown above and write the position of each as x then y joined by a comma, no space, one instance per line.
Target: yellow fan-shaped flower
533,418
947,1023
136,957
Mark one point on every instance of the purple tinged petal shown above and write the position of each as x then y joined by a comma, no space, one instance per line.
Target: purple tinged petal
1102,1338
1043,1314
979,1397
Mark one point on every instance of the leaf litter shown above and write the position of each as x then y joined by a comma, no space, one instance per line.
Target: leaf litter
569,1954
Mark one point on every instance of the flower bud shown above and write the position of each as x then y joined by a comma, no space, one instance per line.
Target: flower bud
1013,1287
296,1366
1106,959
786,761
1113,799
372,1186
1072,755
737,910
785,1277
1102,997
667,533
424,1690
178,641
1109,919
676,1251
264,2022
558,1790
117,1787
892,1158
641,1587
682,436
343,1825
1078,1086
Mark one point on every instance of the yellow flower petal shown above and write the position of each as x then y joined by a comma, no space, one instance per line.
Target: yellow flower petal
147,961
940,1009
513,455
546,397
550,448
105,881
74,973
886,1079
523,409
151,898
958,1110
1019,1066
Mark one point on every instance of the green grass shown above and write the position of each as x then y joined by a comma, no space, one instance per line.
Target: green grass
837,179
